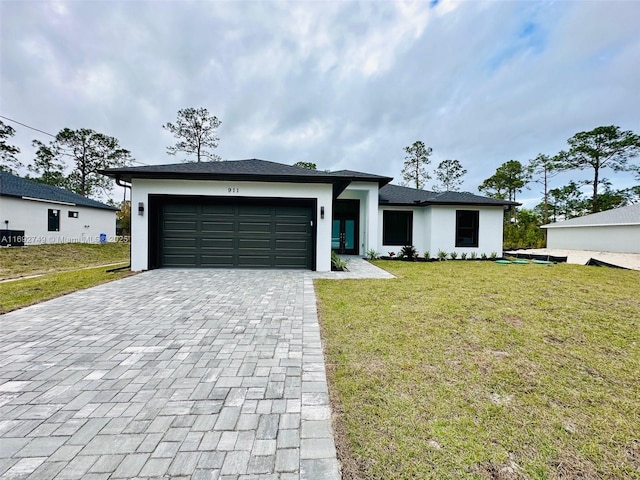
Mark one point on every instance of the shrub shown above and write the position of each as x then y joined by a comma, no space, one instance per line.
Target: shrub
372,254
474,255
463,255
427,254
408,252
337,264
453,255
483,256
442,255
494,255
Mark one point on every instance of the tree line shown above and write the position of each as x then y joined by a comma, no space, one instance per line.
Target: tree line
605,148
73,158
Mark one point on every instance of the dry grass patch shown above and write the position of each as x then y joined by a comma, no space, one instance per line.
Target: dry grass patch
478,370
41,259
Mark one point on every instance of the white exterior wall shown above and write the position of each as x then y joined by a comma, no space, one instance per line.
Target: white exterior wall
142,188
32,217
434,229
443,231
419,229
367,193
610,238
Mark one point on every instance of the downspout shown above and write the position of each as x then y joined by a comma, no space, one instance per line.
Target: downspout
124,185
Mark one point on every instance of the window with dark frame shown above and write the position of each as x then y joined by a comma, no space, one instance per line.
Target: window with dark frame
397,227
467,227
73,214
53,220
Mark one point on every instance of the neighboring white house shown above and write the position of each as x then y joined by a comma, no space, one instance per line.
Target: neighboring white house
33,213
616,230
255,213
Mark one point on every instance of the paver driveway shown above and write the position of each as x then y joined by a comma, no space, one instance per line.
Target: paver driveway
200,373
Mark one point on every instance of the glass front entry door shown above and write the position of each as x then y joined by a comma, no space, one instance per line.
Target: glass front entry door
343,236
344,229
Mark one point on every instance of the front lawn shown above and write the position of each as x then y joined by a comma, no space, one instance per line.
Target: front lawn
58,269
479,370
39,259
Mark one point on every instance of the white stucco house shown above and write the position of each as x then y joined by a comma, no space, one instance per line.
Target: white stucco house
256,213
32,213
615,230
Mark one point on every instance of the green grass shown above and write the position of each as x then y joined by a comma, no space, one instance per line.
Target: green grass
21,293
39,259
61,269
478,370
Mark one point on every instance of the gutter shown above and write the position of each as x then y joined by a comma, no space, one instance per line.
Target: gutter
124,185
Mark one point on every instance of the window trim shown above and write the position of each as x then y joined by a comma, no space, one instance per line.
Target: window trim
409,233
475,229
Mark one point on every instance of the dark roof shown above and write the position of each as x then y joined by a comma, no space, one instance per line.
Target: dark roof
243,170
629,215
229,169
18,187
396,195
363,177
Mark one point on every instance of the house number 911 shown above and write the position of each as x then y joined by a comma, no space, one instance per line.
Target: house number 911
233,190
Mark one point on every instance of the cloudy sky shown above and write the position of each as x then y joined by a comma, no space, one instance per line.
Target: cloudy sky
346,85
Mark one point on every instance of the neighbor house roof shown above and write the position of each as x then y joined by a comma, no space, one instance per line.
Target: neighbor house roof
396,195
243,170
629,215
18,187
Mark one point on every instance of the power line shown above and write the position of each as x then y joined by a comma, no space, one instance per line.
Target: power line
25,125
47,133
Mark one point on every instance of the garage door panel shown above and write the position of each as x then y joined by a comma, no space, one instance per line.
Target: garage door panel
216,227
248,228
212,260
179,242
236,235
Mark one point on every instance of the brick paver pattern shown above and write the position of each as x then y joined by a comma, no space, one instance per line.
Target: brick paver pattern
169,373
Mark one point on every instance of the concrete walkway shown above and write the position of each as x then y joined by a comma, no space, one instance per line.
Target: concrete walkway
181,374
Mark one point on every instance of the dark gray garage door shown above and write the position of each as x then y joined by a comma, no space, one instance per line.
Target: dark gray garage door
266,235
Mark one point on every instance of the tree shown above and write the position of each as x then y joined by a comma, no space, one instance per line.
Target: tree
567,201
598,149
123,218
524,232
195,130
308,165
88,151
541,169
449,173
510,178
9,162
417,158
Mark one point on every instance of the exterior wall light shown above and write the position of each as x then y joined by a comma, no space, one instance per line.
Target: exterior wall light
140,208
321,212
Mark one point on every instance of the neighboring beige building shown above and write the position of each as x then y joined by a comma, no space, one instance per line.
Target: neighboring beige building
616,230
32,213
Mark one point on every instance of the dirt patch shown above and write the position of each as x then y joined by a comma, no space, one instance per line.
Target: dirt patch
514,320
570,466
507,471
633,454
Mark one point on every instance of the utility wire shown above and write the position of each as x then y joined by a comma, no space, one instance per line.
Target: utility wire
47,133
24,125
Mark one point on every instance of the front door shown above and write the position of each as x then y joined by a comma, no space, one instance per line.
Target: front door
345,226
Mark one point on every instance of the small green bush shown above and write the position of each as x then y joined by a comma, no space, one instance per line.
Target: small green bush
453,255
494,255
463,255
427,254
474,255
372,254
408,252
442,255
337,264
483,256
